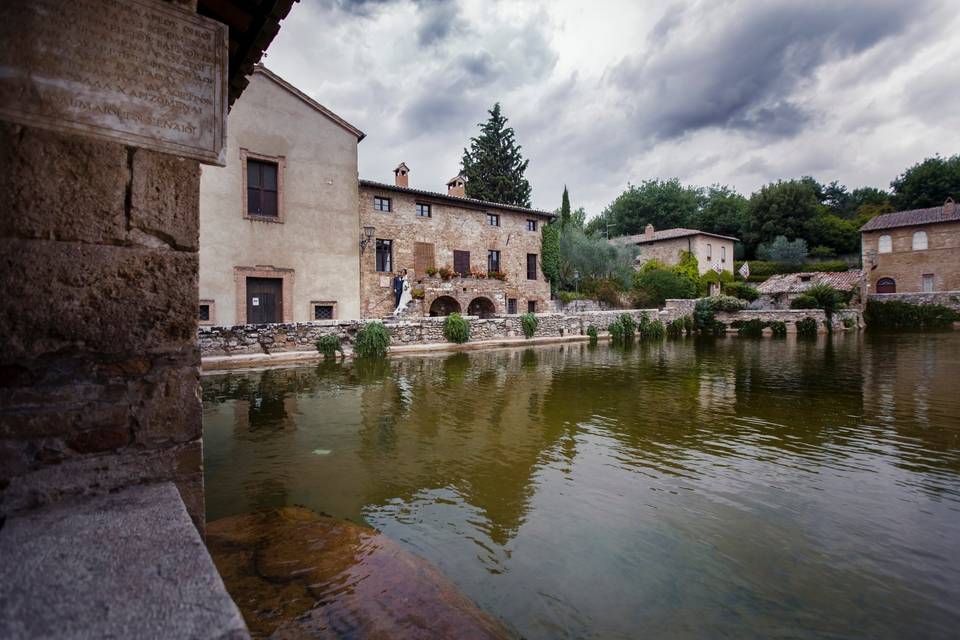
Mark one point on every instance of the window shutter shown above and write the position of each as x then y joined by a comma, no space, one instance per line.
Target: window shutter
461,262
422,258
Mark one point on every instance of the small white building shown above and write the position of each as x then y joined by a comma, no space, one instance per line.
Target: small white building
712,251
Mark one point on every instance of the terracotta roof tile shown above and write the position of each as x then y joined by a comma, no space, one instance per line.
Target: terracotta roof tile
947,213
470,202
795,283
668,234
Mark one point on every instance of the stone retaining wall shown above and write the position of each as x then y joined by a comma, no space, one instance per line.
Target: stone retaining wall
277,338
946,298
273,338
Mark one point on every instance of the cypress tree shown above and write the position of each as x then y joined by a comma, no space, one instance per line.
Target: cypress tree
565,209
493,165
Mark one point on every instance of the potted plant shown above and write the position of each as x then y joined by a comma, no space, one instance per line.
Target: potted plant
446,273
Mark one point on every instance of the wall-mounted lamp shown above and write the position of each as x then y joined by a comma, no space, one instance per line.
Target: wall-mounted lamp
366,237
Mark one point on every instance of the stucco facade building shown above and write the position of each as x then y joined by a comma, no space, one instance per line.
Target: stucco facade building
912,251
422,231
713,252
278,223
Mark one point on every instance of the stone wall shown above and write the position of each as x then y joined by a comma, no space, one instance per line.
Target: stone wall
99,375
274,338
278,338
946,298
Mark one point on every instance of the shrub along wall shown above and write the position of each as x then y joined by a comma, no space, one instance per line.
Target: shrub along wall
278,338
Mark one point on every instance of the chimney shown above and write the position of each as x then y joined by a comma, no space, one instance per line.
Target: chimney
457,186
402,175
648,232
949,207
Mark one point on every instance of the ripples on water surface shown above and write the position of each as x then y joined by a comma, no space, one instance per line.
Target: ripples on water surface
730,488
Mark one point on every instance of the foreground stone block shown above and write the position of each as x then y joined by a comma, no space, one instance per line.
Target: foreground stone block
297,574
127,565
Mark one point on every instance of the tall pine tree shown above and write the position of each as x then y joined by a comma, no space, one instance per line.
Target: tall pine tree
493,165
565,208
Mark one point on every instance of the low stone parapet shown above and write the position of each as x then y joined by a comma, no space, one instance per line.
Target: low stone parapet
949,299
279,338
274,338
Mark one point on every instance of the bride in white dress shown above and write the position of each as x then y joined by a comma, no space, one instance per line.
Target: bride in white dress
405,295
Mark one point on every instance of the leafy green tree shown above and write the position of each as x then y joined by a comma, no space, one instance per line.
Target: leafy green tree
594,258
663,203
655,286
493,164
597,226
724,211
829,230
927,184
782,208
792,252
578,219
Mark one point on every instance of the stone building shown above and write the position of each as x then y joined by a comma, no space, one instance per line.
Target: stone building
278,223
778,291
912,251
713,251
494,248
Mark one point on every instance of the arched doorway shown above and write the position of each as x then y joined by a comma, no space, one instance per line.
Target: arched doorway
444,306
886,285
482,307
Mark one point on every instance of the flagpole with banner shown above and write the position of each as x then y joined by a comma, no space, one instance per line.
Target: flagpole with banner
744,270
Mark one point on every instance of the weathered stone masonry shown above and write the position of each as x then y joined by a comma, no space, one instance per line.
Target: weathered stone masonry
279,338
98,360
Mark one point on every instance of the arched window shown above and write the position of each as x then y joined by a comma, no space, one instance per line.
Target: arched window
886,285
885,245
919,240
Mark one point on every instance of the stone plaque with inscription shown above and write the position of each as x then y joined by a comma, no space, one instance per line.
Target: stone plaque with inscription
140,72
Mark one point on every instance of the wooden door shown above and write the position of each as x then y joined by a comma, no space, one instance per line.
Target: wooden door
264,300
886,285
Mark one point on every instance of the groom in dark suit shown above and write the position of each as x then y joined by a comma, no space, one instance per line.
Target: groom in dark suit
397,289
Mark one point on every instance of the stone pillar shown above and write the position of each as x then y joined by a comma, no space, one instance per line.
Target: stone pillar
99,369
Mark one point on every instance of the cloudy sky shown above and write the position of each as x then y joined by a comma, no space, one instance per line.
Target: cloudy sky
601,94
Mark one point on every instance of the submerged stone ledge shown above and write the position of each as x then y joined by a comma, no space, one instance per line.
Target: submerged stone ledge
129,564
298,574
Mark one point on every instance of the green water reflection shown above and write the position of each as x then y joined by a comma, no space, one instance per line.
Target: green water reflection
741,488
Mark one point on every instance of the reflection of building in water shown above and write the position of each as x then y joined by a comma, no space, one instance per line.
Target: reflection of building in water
473,423
909,389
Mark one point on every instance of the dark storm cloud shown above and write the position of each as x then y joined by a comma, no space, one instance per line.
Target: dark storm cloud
358,7
438,19
741,70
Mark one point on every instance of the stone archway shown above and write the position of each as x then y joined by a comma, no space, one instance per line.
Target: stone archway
482,307
886,285
444,306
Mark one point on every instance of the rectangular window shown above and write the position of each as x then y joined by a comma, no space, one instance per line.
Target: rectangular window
493,260
423,211
531,266
493,219
203,313
461,262
928,283
512,305
723,254
384,255
709,251
531,225
381,204
531,306
323,312
262,188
